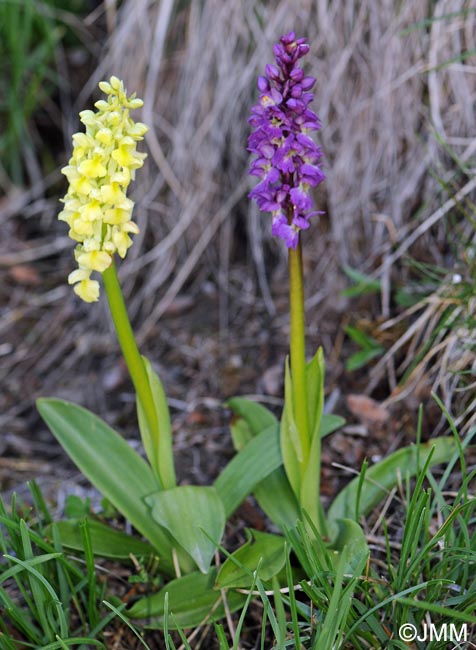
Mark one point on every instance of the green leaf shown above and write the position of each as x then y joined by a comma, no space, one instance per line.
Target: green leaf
106,541
363,339
116,470
309,498
382,477
315,370
364,284
76,507
348,540
260,456
263,550
310,489
330,423
363,357
158,445
370,348
273,493
290,444
250,419
186,512
277,499
191,601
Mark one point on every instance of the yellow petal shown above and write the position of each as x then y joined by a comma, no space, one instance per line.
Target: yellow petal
116,83
88,118
137,130
92,168
102,105
91,211
81,185
132,227
87,290
134,103
82,227
95,260
83,140
104,136
123,156
112,193
65,215
116,216
122,241
70,171
123,177
78,276
105,87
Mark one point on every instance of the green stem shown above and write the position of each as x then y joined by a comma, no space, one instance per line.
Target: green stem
298,348
128,344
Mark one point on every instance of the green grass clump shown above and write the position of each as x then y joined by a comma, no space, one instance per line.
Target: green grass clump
422,571
33,36
47,599
28,38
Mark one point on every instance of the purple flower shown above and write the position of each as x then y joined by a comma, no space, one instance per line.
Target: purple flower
301,201
287,158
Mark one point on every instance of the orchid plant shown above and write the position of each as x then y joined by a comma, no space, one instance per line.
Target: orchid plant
287,162
280,462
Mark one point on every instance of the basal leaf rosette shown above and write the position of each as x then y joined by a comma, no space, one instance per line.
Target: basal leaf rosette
102,165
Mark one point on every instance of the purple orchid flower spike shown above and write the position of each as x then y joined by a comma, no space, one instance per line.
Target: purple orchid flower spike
287,159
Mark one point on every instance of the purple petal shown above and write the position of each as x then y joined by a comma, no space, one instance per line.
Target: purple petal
288,38
263,84
272,72
312,174
308,82
301,222
297,74
300,199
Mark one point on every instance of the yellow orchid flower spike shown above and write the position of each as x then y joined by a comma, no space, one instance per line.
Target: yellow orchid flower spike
102,165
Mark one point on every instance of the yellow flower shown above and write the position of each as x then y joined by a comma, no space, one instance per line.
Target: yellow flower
116,216
88,290
95,260
124,156
121,240
102,165
92,168
112,193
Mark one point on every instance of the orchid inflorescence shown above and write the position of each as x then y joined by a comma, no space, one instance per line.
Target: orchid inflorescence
103,164
287,158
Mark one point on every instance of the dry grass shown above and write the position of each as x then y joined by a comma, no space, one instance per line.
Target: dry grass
380,97
390,78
